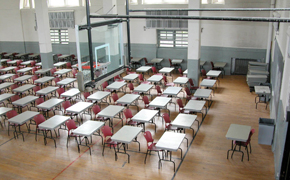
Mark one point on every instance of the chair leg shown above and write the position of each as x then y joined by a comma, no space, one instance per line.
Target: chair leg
103,149
250,148
247,152
145,157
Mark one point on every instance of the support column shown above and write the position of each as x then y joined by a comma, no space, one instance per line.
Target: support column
43,31
193,51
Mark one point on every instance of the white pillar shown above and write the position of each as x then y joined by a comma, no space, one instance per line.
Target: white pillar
193,51
43,31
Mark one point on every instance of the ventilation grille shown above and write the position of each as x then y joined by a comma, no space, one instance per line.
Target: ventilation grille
61,20
166,23
240,65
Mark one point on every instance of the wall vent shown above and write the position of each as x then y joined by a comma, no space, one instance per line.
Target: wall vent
239,66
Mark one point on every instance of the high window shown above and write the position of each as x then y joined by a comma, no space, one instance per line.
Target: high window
59,36
212,1
63,3
172,38
164,1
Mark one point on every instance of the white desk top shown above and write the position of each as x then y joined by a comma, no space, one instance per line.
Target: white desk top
79,107
180,80
24,101
71,93
143,69
177,61
136,59
66,81
160,102
44,79
155,78
26,63
24,70
4,60
88,128
13,61
185,72
213,73
38,64
126,134
59,64
22,54
111,111
23,88
170,141
202,93
33,55
238,132
42,71
47,90
262,90
53,122
201,63
172,91
23,117
156,60
49,104
62,71
145,115
5,96
23,78
6,76
208,82
220,64
166,70
10,68
194,105
98,96
5,85
128,98
184,120
131,77
143,88
64,56
4,110
116,85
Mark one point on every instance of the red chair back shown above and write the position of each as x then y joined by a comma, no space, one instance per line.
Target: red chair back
141,77
39,118
146,100
154,70
166,118
148,137
190,82
18,62
14,77
34,77
145,59
86,95
115,97
70,124
15,98
36,88
159,92
106,130
66,104
212,65
128,113
56,80
104,85
164,79
13,86
180,71
39,101
131,87
60,91
96,109
74,72
203,73
117,78
68,65
32,63
180,103
187,91
170,62
34,69
11,114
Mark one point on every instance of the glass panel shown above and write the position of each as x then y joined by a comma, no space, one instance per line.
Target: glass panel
218,1
175,1
72,3
152,1
204,1
133,1
33,4
56,3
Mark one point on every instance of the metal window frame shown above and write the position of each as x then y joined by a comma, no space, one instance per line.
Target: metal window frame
59,36
173,39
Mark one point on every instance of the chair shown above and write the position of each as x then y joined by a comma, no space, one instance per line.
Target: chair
18,63
33,70
142,80
13,86
181,73
131,88
189,95
244,144
34,77
60,91
146,62
37,102
115,99
16,69
129,121
32,63
214,68
14,77
151,146
154,70
104,86
35,89
175,66
128,71
68,65
39,118
56,80
118,78
159,91
71,125
65,105
86,95
165,81
96,109
106,130
74,72
9,115
168,126
181,107
203,75
191,85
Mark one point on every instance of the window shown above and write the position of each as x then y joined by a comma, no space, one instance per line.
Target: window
133,2
172,38
165,2
63,3
26,4
212,1
59,36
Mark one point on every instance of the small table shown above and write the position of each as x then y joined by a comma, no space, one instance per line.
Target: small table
160,103
24,70
33,56
131,77
181,81
126,135
201,64
170,141
21,119
214,73
43,71
166,70
3,111
45,91
143,69
262,90
157,61
99,96
38,64
155,79
111,112
62,72
50,104
71,93
66,82
145,116
237,132
129,99
115,86
13,62
7,69
136,61
184,121
5,85
204,94
6,76
208,83
87,130
196,106
24,88
79,108
177,61
64,57
220,65
51,124
59,64
172,91
143,88
44,80
5,96
22,79
20,103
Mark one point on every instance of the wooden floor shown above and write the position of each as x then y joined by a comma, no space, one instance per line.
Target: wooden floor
205,158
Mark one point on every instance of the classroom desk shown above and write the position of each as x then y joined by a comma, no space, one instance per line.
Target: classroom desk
169,142
59,64
3,111
51,124
99,96
143,88
143,69
115,86
177,61
160,103
33,56
79,108
237,132
50,104
204,94
5,85
13,62
63,71
19,120
87,130
125,136
129,99
44,80
45,91
262,90
111,112
24,88
24,70
26,63
131,77
22,56
6,76
181,81
155,79
166,70
66,82
64,57
197,107
208,83
4,97
145,116
214,74
38,64
184,121
7,69
71,93
157,61
220,65
136,61
20,103
43,71
172,91
22,79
